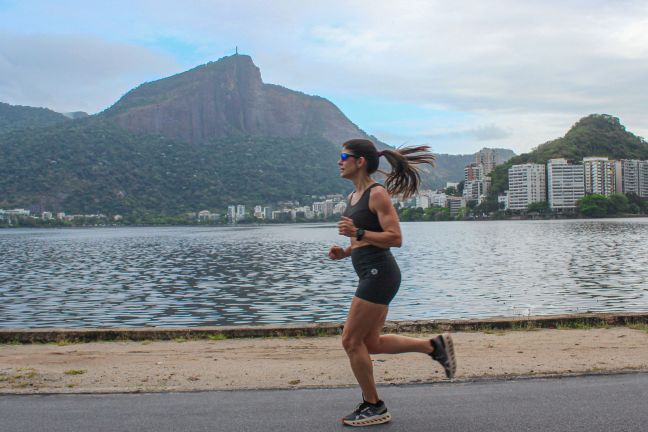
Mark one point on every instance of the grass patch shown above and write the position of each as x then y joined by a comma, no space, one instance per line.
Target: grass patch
525,326
217,337
75,372
28,373
582,325
181,340
639,326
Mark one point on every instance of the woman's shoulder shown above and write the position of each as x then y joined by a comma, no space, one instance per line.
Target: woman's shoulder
379,193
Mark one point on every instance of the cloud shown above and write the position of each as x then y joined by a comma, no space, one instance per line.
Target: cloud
69,73
522,72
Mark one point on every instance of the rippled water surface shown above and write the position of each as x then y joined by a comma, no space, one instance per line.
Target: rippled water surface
279,274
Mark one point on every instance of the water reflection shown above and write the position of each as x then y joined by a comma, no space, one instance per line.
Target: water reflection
279,274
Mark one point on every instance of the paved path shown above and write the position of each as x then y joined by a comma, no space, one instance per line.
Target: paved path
594,403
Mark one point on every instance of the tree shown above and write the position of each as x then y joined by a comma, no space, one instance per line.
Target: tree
594,205
618,203
540,206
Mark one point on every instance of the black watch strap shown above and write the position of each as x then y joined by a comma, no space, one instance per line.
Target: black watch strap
360,233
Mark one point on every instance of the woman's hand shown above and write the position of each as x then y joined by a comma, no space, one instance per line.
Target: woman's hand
337,253
346,227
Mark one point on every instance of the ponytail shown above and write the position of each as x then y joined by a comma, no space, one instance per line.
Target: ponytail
404,177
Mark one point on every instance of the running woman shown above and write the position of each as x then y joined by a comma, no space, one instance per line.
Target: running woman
371,222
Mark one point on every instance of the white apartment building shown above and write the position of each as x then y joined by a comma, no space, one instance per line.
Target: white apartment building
527,184
231,214
599,175
438,199
324,208
643,179
240,212
422,201
634,177
565,184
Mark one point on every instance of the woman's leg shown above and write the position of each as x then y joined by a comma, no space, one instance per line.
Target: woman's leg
365,319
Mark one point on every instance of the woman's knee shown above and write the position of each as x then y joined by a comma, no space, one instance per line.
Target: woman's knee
351,343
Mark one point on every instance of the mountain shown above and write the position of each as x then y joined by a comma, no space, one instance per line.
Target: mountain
207,138
15,117
594,135
228,98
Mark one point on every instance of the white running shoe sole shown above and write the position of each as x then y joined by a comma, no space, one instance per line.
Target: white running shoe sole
376,420
452,360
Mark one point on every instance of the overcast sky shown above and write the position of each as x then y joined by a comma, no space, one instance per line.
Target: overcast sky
458,75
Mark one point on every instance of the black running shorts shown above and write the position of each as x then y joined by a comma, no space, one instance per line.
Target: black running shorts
379,274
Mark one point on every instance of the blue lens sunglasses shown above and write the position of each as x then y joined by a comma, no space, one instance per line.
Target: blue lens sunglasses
345,156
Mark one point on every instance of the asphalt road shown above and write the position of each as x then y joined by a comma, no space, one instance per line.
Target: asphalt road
592,403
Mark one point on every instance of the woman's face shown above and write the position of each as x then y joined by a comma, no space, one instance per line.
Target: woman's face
348,164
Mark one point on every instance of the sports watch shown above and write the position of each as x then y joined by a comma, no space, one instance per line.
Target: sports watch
360,233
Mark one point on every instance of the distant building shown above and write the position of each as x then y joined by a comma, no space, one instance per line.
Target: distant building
634,177
324,208
503,200
473,172
455,204
486,158
267,213
240,212
422,201
599,175
340,208
438,199
565,184
527,184
231,214
46,215
258,212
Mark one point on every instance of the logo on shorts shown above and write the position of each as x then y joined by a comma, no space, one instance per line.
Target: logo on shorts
374,272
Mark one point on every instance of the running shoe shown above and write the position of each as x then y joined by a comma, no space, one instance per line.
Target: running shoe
367,414
444,353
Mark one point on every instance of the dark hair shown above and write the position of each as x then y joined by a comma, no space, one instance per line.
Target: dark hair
404,176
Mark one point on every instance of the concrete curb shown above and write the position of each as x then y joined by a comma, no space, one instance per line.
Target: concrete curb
76,335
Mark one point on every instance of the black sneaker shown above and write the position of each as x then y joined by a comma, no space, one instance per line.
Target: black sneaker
444,353
367,414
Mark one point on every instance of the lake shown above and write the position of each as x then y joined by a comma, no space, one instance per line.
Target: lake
196,276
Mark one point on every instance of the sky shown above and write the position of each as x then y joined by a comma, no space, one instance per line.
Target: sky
456,75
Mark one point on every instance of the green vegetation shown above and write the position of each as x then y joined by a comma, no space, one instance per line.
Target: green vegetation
89,166
15,117
597,206
75,372
434,213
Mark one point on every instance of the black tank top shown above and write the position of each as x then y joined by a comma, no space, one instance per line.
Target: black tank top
360,213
